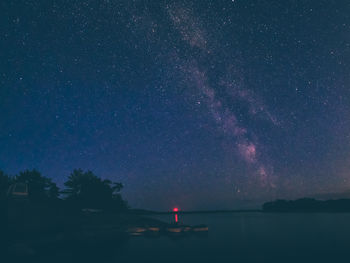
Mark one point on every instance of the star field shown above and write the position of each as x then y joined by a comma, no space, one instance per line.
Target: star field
198,104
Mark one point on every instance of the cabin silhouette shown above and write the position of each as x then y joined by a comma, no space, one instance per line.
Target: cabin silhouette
18,191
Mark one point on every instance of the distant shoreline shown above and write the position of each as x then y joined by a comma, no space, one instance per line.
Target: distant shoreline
140,211
303,205
308,205
240,211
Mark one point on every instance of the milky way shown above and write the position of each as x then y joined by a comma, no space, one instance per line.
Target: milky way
199,104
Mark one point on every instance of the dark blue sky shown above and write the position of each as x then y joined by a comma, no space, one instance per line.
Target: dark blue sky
200,104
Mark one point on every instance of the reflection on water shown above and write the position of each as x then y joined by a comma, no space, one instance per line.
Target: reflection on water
235,237
250,237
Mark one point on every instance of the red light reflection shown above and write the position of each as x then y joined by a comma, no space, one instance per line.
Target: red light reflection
175,209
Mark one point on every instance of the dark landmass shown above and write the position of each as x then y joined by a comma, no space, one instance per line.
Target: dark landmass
307,205
34,231
38,221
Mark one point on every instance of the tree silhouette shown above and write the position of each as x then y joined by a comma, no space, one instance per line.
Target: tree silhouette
53,191
5,182
87,190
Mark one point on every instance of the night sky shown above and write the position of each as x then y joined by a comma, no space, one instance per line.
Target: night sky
198,104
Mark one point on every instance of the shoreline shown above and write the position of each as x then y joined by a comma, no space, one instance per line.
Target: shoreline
150,212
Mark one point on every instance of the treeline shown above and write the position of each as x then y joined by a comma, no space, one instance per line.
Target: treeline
83,189
308,205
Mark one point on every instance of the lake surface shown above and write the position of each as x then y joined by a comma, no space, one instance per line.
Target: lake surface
248,237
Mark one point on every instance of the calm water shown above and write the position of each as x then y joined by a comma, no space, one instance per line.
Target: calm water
249,237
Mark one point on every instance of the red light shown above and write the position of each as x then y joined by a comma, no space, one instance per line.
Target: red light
176,209
176,218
